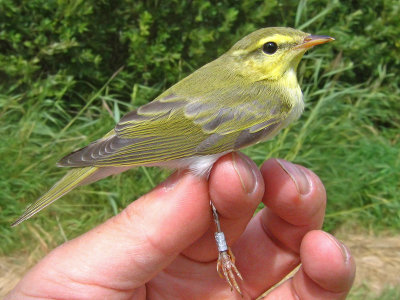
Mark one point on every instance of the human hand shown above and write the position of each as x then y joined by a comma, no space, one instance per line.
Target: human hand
162,245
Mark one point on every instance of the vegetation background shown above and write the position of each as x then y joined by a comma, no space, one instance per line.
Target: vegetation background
70,69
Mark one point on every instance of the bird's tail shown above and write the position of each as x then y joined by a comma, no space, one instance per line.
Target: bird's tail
71,180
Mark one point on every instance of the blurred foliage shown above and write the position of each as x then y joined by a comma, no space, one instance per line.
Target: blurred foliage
70,69
160,41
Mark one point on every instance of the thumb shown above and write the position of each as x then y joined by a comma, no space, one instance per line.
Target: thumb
129,249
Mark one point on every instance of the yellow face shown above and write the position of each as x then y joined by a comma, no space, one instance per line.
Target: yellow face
267,54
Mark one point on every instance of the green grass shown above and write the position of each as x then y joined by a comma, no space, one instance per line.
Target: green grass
35,135
340,137
364,293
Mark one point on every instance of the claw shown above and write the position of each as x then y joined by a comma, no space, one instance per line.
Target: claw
226,260
226,264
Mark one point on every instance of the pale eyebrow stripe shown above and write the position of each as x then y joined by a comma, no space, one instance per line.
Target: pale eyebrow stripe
283,45
261,42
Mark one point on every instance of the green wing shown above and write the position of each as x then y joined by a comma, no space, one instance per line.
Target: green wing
177,126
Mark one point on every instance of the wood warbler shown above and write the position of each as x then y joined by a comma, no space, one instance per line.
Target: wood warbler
245,96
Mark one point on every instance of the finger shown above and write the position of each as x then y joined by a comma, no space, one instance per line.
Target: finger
327,270
129,249
296,202
236,188
269,248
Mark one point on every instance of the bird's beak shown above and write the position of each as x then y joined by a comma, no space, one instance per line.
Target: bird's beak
313,40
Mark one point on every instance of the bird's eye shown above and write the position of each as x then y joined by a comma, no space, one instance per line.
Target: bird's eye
270,48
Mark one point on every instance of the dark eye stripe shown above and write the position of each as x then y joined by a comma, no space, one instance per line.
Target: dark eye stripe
285,46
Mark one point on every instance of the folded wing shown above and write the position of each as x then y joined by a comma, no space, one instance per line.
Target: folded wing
179,126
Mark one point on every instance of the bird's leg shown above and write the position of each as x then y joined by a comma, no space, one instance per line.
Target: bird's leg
226,260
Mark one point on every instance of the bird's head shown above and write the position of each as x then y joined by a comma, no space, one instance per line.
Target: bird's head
269,53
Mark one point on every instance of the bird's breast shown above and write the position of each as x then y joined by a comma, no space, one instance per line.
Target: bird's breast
296,97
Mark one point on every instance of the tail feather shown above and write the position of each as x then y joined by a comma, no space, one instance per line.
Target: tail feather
70,181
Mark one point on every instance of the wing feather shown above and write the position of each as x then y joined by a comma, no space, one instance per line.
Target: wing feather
183,123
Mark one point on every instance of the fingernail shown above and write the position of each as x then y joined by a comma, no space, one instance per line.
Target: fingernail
298,176
343,249
171,181
245,169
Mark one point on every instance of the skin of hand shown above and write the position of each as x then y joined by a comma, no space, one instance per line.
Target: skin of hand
159,246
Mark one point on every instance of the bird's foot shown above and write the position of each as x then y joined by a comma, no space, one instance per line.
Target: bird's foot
226,269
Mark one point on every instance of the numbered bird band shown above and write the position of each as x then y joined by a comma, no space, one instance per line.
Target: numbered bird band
221,242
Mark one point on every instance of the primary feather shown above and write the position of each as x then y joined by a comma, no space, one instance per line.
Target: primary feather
237,100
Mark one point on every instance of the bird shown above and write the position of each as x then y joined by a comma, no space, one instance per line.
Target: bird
245,96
